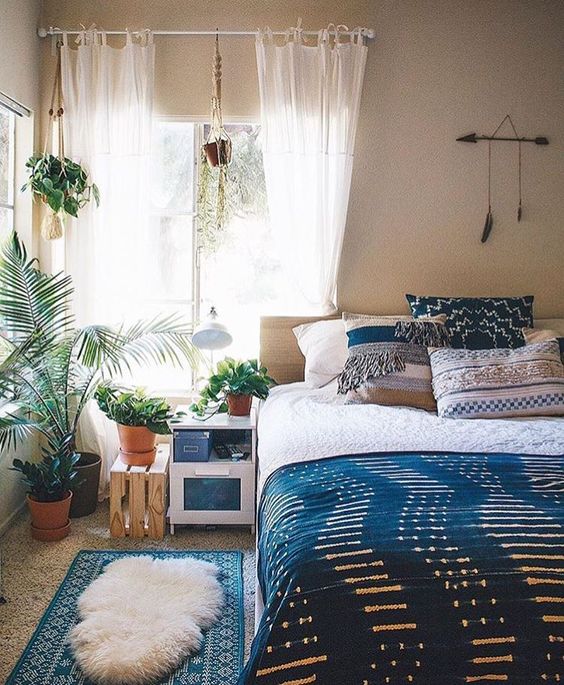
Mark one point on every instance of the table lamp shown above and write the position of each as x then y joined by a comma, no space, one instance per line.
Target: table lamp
211,334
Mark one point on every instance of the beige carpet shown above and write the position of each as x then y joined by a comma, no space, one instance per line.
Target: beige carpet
32,571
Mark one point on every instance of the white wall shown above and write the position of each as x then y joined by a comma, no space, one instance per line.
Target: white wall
19,78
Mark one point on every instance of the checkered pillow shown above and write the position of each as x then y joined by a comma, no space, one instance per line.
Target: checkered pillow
528,381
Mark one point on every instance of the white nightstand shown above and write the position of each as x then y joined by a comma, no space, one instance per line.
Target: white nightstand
212,490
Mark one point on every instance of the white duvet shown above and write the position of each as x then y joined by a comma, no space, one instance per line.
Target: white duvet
298,423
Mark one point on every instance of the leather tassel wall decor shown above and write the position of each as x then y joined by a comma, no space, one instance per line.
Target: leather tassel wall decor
519,208
488,225
474,138
489,216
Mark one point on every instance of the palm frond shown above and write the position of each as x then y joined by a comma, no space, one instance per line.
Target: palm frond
96,345
162,340
32,304
14,429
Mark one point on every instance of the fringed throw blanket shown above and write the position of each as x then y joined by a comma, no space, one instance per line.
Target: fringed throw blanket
432,569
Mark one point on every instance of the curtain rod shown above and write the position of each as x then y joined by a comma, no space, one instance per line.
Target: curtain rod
370,34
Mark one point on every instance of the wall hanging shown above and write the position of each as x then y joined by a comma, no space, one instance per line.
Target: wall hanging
474,138
58,182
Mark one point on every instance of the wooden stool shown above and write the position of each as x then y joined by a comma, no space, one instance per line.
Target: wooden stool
138,497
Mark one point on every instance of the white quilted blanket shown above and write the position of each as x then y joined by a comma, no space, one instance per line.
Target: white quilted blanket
297,423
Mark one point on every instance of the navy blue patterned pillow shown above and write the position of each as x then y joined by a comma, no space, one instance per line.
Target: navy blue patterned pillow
479,323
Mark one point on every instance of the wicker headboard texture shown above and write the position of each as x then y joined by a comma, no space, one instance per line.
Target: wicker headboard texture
280,353
279,350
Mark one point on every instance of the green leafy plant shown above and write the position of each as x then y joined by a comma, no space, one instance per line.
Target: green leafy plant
49,370
60,183
50,479
237,190
233,377
135,408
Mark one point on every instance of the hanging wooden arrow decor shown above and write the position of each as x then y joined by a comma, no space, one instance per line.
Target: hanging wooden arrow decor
474,138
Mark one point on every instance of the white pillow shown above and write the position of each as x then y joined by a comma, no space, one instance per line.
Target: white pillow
324,346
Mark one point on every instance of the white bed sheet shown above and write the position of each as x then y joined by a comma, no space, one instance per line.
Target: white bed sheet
298,423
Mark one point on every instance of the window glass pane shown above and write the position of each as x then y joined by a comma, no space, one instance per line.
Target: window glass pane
6,157
241,274
169,251
173,180
6,222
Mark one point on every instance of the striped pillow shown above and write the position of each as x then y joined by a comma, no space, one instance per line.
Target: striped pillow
527,381
534,335
388,361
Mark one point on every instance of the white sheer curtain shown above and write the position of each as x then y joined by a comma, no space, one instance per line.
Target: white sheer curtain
108,97
310,98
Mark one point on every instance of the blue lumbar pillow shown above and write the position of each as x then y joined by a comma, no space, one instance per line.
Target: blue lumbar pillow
479,323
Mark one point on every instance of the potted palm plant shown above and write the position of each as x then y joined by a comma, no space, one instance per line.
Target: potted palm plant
232,387
139,417
49,370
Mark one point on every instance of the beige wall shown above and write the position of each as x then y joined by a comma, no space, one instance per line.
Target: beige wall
19,78
438,69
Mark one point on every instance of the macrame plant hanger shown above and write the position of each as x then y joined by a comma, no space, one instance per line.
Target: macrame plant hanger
217,147
52,224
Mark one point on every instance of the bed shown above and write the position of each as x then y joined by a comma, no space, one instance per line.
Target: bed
397,547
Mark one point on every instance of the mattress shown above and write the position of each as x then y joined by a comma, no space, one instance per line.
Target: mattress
298,423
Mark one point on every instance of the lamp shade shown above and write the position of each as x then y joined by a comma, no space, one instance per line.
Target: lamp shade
211,334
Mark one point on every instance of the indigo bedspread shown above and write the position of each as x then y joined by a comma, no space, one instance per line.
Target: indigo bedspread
435,569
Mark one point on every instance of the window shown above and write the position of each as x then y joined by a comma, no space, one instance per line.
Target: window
7,148
198,263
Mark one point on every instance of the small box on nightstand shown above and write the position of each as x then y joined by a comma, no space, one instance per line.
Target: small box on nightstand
217,486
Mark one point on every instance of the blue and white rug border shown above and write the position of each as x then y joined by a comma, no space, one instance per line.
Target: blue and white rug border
133,552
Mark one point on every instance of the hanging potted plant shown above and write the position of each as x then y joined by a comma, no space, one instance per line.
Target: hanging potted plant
232,388
139,417
217,147
61,184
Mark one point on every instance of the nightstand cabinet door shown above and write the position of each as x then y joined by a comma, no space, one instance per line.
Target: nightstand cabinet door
213,492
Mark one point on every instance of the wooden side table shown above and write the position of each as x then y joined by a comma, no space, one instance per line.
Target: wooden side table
138,497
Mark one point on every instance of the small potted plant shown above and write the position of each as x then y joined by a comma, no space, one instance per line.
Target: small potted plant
62,185
232,387
49,495
139,417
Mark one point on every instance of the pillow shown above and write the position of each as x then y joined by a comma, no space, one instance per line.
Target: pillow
324,346
479,323
472,384
388,361
533,335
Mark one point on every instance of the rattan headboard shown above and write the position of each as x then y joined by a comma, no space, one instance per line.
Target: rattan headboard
279,350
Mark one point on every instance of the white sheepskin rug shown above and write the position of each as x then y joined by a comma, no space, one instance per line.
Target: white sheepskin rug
142,617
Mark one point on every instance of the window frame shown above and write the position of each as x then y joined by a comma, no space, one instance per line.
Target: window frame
10,204
199,123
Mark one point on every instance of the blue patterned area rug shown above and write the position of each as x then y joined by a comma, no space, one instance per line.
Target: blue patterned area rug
47,659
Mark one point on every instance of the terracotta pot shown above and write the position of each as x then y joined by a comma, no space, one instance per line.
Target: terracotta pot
138,458
239,405
137,445
218,153
49,520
